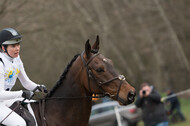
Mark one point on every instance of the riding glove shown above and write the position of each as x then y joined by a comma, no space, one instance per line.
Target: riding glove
27,94
42,88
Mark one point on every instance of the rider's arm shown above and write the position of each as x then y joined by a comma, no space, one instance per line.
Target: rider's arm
25,81
6,95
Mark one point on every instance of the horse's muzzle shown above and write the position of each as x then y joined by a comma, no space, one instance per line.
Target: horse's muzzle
131,96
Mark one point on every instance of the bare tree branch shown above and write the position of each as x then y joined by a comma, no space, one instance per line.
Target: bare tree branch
181,53
3,8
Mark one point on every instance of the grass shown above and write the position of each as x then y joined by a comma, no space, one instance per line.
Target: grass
185,107
185,103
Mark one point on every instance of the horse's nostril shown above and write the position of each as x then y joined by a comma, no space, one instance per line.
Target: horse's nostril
131,96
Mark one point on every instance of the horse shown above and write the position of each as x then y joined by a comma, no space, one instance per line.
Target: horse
69,102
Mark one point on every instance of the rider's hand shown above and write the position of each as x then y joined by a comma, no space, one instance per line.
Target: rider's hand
42,88
27,94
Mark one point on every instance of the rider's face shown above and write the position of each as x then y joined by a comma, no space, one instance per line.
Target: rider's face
13,50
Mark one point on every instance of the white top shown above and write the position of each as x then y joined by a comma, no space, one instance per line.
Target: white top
10,70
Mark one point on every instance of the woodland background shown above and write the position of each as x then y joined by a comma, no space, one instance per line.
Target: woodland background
148,40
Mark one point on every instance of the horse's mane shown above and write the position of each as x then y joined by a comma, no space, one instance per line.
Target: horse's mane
59,82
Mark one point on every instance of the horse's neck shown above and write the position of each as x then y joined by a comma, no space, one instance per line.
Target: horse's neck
66,111
74,110
61,108
73,85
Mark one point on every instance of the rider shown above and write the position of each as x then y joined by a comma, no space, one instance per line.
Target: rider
11,68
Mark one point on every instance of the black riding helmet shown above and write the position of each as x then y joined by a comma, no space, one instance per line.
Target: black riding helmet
9,36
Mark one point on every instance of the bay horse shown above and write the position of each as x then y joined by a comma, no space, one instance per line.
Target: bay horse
69,102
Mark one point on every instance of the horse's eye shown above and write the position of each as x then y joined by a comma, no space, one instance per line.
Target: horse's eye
99,70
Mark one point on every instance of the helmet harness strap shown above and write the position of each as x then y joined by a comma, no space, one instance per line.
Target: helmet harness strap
5,47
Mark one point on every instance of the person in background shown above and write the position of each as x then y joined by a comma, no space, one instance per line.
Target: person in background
153,111
11,68
174,105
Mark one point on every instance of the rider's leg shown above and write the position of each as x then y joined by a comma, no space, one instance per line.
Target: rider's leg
13,119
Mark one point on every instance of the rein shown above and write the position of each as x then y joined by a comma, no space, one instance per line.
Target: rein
75,98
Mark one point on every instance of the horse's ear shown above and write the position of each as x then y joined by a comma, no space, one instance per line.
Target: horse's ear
95,47
88,49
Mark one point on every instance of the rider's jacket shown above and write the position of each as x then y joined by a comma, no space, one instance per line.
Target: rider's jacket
10,70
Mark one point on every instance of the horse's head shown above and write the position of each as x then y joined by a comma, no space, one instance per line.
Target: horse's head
102,78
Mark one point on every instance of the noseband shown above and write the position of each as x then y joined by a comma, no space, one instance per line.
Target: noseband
100,84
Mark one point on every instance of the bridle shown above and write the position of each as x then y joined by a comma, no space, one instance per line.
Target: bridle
90,76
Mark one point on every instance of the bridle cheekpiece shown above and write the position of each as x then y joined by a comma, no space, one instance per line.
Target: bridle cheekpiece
100,84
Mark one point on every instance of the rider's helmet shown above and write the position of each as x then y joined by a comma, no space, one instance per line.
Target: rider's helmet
9,36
